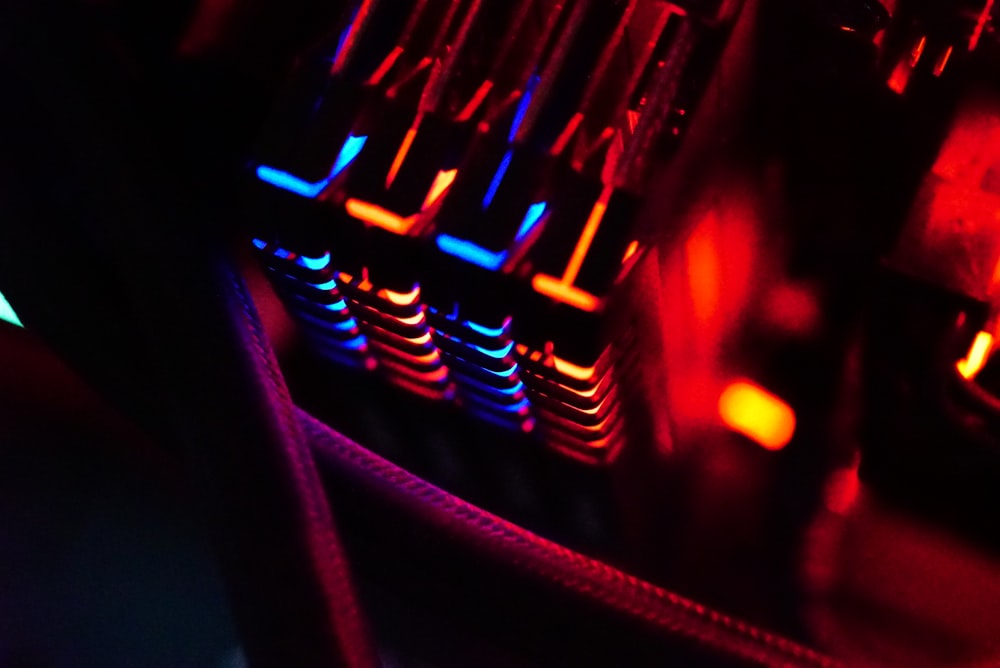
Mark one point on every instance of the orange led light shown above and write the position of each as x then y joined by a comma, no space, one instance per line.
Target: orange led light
441,183
376,215
757,414
562,289
580,373
559,290
401,298
630,251
404,149
976,359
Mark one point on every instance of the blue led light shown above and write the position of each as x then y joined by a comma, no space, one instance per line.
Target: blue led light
314,263
495,354
522,107
7,313
470,252
485,331
521,405
348,152
283,253
497,178
339,305
531,219
346,326
292,184
357,343
260,244
329,285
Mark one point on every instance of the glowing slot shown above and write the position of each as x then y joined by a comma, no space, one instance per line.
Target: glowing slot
531,219
7,313
757,414
583,374
441,183
379,217
976,359
470,252
562,289
401,298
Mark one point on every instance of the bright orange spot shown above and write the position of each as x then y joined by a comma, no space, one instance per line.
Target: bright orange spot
401,298
441,183
559,290
630,251
580,373
587,236
756,413
376,215
976,359
404,149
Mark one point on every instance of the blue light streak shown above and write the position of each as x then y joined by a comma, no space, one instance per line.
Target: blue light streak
348,152
293,184
7,313
531,219
497,179
495,354
337,306
485,331
329,285
470,252
260,244
282,253
314,263
522,107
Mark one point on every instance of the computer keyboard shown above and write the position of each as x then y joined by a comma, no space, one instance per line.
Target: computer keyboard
453,197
